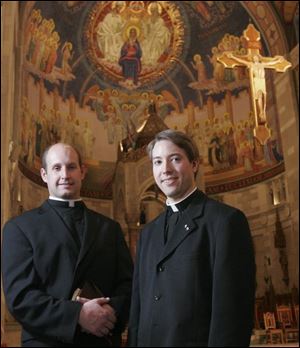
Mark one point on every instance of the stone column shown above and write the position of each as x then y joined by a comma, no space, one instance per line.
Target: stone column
9,118
287,106
210,108
42,94
72,107
191,113
228,103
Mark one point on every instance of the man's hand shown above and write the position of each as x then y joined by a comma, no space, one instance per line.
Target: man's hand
96,316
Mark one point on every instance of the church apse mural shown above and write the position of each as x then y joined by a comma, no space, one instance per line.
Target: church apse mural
91,70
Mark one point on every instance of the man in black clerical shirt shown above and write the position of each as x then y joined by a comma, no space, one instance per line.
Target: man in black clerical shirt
194,277
51,251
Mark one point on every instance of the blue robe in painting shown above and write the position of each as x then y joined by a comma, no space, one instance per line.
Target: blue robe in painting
130,60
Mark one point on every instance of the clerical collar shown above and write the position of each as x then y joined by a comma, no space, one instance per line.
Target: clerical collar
182,203
71,202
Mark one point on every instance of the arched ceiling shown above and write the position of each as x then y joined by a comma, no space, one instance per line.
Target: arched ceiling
77,88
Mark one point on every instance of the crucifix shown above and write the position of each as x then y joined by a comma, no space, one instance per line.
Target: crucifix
256,65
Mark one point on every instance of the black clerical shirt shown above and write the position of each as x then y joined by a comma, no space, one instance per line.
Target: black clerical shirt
72,216
172,218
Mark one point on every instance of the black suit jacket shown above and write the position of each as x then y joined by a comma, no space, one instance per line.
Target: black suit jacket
41,270
198,289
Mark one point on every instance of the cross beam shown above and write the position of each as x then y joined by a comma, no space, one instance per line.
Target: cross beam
256,65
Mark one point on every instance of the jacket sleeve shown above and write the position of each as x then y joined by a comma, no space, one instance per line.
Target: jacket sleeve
27,300
135,301
233,283
120,299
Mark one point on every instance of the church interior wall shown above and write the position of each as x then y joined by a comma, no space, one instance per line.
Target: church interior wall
82,116
259,203
8,19
263,202
26,200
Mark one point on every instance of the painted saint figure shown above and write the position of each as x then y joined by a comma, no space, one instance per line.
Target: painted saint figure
67,54
199,67
109,32
130,59
157,35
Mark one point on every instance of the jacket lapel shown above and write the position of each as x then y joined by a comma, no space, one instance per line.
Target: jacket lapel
158,236
185,226
91,223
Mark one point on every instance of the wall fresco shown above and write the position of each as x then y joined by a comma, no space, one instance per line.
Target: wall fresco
91,69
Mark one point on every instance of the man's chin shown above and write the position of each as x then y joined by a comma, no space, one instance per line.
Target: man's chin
172,194
68,195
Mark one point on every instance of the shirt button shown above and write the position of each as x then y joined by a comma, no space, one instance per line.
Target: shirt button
157,297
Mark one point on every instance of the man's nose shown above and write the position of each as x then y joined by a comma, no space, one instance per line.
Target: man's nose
167,167
64,172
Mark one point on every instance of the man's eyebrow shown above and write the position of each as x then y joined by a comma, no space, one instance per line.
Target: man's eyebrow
60,164
56,164
172,154
175,154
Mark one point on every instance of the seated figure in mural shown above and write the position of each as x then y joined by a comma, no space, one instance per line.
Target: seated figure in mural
157,35
130,59
51,252
109,32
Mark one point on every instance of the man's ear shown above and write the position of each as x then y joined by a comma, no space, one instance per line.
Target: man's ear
83,171
195,165
43,174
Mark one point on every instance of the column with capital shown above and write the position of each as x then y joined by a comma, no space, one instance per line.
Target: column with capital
210,108
228,103
41,94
